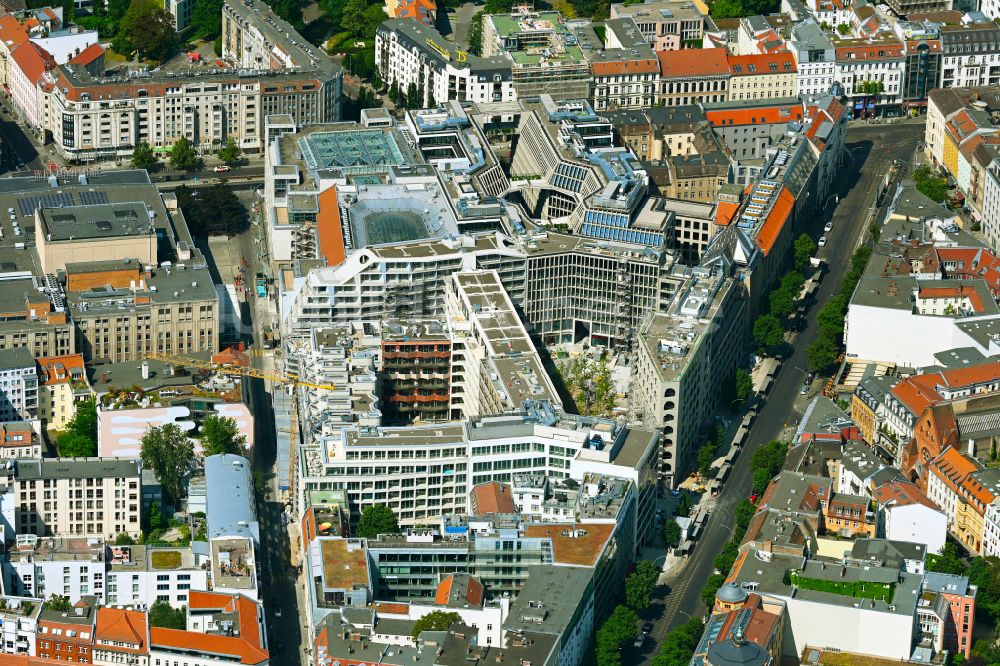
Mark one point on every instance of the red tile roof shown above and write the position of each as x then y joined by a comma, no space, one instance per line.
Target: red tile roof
33,60
901,493
760,64
627,66
12,33
972,263
693,62
767,115
954,470
492,497
331,234
122,626
724,212
958,291
246,645
59,369
88,55
775,222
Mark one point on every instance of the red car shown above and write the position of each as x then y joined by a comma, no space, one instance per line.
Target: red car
753,498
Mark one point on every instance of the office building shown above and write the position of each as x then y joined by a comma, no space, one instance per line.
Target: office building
667,25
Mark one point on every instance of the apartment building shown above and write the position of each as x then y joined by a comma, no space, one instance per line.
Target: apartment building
66,635
220,627
905,513
18,385
94,117
693,75
762,76
18,439
34,312
871,71
20,625
627,72
544,55
413,55
684,357
815,58
667,25
121,636
970,54
68,567
957,598
63,381
85,497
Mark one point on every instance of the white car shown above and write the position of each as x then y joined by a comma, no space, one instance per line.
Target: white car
822,241
828,226
222,168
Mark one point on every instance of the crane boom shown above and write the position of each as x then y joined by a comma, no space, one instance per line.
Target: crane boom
233,369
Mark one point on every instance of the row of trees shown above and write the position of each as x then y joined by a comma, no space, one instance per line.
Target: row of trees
724,9
769,329
620,627
723,562
825,350
709,450
766,462
183,155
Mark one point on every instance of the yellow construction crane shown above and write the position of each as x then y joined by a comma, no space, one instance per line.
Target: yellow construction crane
233,369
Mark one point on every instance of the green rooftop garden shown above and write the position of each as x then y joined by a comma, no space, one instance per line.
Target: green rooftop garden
856,589
166,559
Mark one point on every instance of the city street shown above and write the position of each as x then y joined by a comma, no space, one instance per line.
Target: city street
873,149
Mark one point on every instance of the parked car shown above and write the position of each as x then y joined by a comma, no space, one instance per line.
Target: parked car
828,226
753,498
222,168
822,241
639,640
647,628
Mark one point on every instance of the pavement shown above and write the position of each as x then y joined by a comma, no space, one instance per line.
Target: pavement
873,149
456,26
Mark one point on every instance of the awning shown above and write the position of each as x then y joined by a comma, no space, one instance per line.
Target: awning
959,196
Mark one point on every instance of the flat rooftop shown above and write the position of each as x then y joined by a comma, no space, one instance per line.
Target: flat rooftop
395,213
233,563
96,221
661,10
578,544
345,564
360,150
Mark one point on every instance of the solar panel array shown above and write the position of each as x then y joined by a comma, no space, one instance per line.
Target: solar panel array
28,205
93,198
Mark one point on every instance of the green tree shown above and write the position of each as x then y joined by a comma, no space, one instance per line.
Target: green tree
768,332
476,33
497,6
435,621
766,462
616,630
230,153
76,445
354,17
393,93
161,614
183,155
782,302
822,353
221,434
207,18
844,29
930,185
148,29
712,585
743,514
948,561
168,452
671,533
727,556
639,585
678,646
803,249
154,518
375,520
706,456
374,17
744,384
413,100
58,603
124,539
143,157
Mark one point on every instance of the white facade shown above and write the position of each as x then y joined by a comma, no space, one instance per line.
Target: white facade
18,629
915,523
858,630
18,386
939,493
815,78
916,338
991,530
969,70
990,209
853,73
64,576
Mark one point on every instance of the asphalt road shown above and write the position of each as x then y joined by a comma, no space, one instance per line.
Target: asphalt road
873,149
